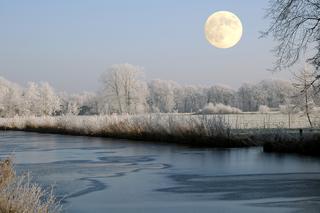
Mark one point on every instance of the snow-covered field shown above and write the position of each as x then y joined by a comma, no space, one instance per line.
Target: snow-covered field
270,120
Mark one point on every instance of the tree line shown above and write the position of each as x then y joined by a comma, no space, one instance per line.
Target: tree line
124,90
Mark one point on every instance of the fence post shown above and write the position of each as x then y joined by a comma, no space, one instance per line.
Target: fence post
289,116
301,135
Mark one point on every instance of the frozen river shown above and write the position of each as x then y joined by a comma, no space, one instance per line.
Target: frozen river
105,175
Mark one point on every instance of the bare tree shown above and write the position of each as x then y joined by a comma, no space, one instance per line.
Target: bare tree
296,26
305,96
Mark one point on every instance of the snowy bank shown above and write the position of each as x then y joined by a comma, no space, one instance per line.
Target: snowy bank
193,130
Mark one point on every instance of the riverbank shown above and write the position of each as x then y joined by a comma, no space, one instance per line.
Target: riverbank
212,131
305,142
202,131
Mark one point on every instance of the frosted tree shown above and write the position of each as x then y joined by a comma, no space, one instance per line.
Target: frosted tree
123,90
190,98
245,98
69,104
305,96
272,92
4,90
161,95
32,99
49,102
88,102
139,98
221,94
281,92
11,103
84,103
40,100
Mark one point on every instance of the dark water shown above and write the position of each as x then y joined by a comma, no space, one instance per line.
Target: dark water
105,175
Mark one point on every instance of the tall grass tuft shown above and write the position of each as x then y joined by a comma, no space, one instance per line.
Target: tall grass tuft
18,195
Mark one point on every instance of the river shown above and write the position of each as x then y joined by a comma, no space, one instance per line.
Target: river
105,175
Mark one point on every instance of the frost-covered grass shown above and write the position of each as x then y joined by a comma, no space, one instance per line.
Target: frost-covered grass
18,195
165,123
211,130
157,123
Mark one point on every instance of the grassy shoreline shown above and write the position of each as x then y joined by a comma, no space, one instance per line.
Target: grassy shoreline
197,131
189,140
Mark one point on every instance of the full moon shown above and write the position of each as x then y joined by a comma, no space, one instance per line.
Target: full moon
223,29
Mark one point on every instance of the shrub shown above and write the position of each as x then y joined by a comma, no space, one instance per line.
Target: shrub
264,109
219,109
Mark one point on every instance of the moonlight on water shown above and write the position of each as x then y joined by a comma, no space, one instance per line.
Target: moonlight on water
223,29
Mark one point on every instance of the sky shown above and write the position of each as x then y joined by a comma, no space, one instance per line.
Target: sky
70,43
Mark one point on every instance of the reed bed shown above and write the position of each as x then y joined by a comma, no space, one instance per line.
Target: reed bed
193,130
188,129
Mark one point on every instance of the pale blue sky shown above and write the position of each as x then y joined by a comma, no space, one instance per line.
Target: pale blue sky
69,43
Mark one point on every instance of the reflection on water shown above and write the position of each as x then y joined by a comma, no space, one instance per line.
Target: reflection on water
105,175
